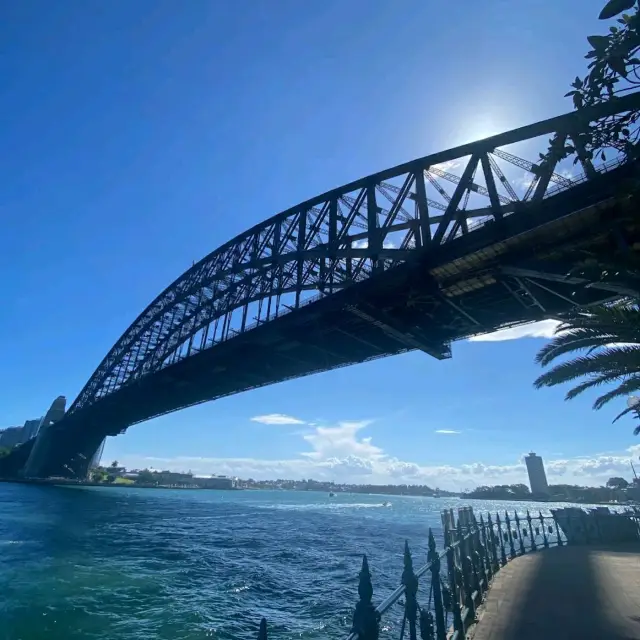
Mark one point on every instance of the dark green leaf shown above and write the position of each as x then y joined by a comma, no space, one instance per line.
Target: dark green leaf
604,159
599,43
613,29
577,101
625,132
571,93
617,65
614,7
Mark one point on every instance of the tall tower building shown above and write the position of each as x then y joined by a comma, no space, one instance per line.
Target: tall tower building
537,475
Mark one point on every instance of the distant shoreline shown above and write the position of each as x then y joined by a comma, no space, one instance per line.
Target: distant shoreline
119,485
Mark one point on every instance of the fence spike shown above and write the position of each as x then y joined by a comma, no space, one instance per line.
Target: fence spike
365,586
432,547
408,560
262,633
365,616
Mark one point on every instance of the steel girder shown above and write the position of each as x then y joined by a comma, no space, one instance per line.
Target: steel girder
336,240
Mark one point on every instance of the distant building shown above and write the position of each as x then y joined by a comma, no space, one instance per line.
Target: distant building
537,475
216,482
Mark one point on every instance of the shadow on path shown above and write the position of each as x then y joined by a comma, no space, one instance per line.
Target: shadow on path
584,592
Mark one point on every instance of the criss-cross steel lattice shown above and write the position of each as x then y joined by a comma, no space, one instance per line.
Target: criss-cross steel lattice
341,238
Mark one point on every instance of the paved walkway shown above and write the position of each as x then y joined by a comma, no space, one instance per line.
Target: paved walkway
586,593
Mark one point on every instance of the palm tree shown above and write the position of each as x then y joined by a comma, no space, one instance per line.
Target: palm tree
610,335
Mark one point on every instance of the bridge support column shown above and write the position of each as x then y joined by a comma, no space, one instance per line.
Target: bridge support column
65,453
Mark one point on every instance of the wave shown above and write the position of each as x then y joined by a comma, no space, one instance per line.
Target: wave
315,506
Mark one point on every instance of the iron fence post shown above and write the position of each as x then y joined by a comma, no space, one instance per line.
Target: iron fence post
410,582
503,554
481,557
494,546
365,617
262,632
544,530
507,521
522,549
453,584
467,571
488,569
585,528
476,559
436,586
560,543
534,547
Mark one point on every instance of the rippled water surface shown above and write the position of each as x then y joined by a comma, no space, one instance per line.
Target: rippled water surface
130,564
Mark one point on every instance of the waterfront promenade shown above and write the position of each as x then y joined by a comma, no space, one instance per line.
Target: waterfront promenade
586,592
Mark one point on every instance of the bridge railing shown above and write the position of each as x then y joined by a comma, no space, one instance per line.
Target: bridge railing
440,599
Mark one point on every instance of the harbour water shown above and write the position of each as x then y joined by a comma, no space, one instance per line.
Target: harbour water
136,564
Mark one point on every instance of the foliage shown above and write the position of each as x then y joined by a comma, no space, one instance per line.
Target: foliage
146,477
617,483
114,464
557,492
614,61
98,475
5,451
585,495
500,492
610,336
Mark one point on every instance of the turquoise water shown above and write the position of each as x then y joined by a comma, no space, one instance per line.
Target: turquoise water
131,564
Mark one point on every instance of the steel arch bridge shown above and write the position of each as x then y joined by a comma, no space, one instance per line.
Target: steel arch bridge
426,239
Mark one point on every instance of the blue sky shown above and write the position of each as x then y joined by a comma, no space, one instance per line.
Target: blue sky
139,136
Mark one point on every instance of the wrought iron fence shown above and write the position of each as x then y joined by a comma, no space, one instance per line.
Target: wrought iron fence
458,577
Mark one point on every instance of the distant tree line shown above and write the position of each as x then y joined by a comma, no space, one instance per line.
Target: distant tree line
557,492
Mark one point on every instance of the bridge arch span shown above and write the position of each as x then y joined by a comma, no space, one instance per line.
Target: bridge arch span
334,241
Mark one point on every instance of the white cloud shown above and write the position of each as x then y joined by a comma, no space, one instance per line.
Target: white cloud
448,165
364,243
341,441
524,181
341,453
542,329
277,418
447,432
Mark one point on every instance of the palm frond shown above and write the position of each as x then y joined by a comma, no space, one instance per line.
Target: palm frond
574,340
626,388
623,413
624,360
594,381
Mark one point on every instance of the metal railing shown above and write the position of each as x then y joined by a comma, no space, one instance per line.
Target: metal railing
457,578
